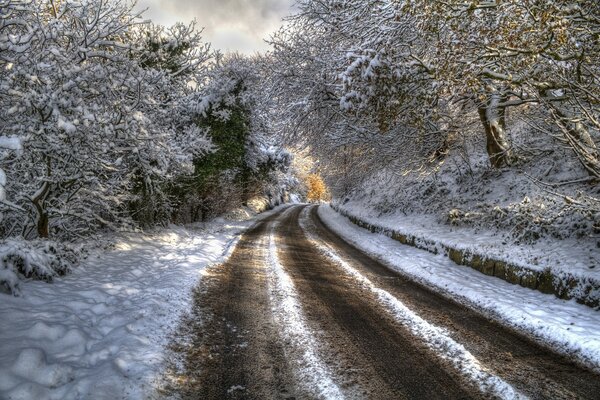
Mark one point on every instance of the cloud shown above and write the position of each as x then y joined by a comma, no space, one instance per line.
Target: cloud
236,25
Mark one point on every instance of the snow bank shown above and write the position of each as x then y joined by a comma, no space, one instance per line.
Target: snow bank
472,250
10,143
565,325
99,332
38,259
573,256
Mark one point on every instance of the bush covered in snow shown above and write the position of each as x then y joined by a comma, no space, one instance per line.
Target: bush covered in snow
249,163
558,217
522,204
35,259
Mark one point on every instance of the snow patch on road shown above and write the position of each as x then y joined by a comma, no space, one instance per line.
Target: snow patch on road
314,374
438,339
565,325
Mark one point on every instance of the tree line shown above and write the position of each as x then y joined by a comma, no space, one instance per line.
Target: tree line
109,121
374,84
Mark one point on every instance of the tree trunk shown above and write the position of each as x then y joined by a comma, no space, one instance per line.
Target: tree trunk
493,118
43,225
43,221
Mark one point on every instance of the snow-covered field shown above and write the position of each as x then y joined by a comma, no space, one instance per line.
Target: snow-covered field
567,326
99,332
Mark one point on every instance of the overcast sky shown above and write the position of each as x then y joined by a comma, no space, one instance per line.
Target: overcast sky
230,25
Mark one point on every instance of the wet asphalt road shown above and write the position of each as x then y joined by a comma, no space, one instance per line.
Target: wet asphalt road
235,348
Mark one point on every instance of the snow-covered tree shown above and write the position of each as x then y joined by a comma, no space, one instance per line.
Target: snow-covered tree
503,54
96,123
231,108
353,85
400,84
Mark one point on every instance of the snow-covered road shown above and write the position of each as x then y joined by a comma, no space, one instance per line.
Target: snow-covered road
297,312
305,306
564,325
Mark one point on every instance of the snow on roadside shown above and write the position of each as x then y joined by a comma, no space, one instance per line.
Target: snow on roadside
435,337
314,375
565,325
577,257
99,332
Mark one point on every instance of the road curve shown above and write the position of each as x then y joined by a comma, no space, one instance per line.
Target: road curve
235,343
532,369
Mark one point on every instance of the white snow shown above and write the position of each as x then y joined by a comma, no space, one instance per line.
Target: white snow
573,256
313,373
435,337
66,126
234,388
100,331
567,326
10,143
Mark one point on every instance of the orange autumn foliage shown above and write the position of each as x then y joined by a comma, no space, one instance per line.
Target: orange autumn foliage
317,191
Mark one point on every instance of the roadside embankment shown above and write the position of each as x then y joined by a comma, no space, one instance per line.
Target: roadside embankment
560,282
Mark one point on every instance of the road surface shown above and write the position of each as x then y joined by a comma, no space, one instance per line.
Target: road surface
298,313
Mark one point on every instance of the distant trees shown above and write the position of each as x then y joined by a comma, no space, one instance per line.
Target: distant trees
122,122
316,188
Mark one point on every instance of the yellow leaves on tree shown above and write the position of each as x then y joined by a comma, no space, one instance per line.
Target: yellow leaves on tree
317,191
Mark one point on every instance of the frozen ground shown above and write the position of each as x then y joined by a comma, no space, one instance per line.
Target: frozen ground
568,327
99,332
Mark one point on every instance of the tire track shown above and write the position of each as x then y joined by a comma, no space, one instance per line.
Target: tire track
230,346
380,359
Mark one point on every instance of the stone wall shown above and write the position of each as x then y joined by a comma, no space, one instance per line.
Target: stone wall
563,285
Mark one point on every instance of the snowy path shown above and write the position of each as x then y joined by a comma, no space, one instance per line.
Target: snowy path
564,325
247,335
100,332
434,337
425,283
